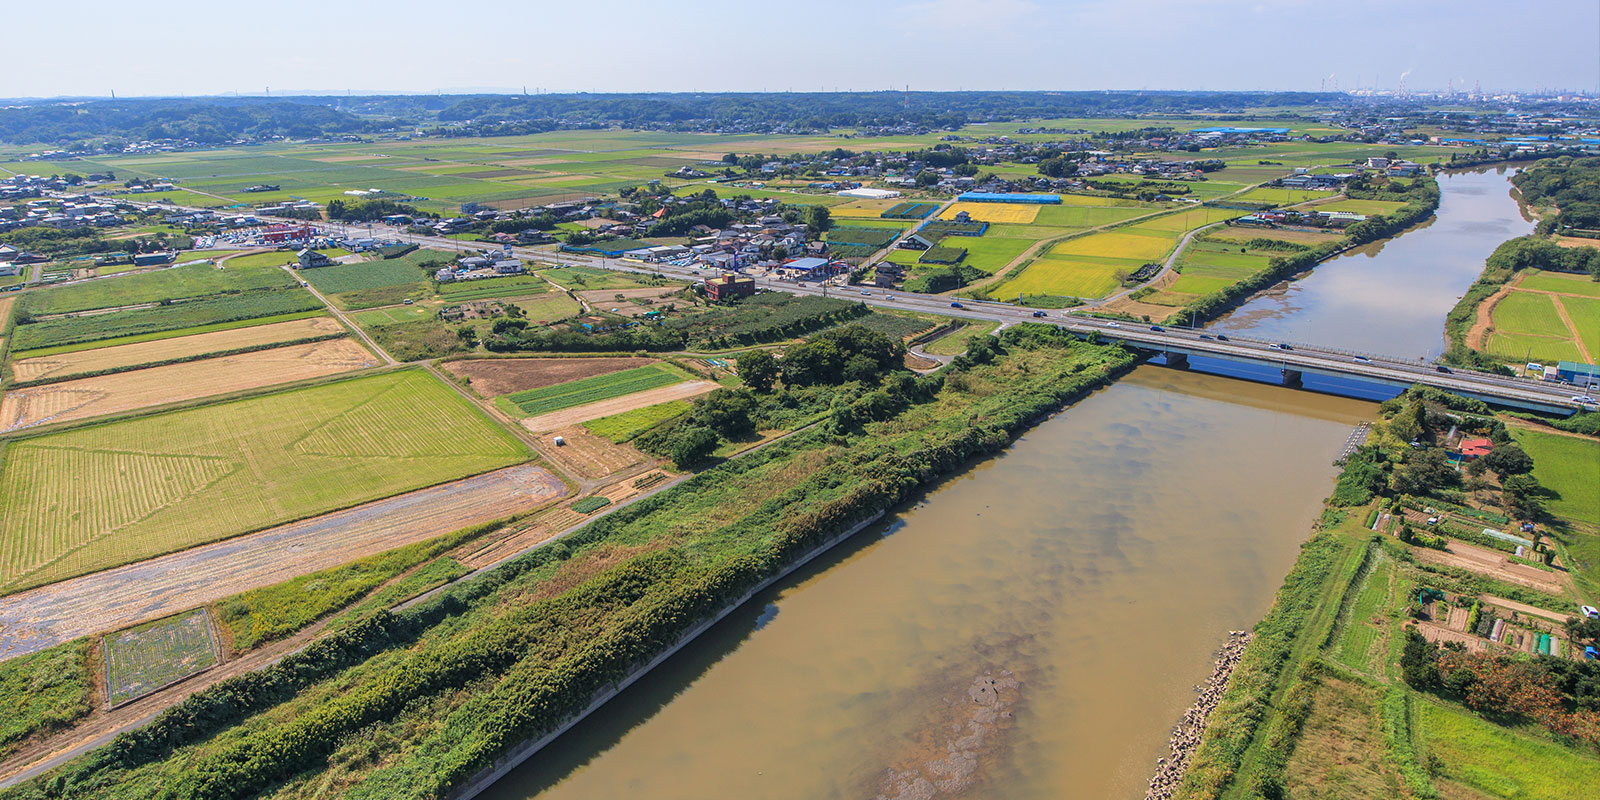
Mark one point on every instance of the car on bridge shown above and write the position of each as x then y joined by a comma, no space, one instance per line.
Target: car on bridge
1442,368
1158,329
957,305
1038,314
1222,338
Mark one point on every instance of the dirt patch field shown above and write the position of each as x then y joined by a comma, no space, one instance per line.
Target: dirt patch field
589,455
130,355
113,599
126,391
553,521
556,420
5,308
1483,322
492,377
1494,564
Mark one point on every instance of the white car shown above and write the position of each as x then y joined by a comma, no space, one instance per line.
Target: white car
1583,398
865,293
1112,325
1590,612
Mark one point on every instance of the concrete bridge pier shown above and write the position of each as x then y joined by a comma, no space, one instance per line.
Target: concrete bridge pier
1178,360
1291,377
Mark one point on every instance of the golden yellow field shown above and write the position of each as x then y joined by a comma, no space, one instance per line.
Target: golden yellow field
126,391
128,355
1125,243
5,308
1003,213
864,209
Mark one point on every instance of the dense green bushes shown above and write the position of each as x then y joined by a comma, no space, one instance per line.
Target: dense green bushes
48,689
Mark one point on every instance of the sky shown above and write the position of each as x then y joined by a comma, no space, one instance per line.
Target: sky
194,47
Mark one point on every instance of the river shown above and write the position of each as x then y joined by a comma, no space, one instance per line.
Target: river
1098,563
1391,297
1034,627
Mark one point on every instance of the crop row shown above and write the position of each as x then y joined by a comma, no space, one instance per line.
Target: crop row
589,390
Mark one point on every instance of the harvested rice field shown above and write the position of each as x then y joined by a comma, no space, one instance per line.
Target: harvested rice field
132,355
126,391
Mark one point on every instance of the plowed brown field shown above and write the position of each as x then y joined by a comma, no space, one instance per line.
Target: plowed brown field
492,377
130,355
126,391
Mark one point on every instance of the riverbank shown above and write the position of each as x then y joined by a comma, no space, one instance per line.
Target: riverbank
1191,728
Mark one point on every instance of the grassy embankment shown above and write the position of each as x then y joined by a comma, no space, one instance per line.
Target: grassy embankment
410,704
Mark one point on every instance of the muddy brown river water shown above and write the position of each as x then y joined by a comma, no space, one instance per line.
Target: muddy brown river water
1032,628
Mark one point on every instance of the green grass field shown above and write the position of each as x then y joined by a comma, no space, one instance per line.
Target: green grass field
276,258
587,390
1282,197
1568,466
957,341
195,280
142,659
1516,348
1585,315
163,321
1529,314
1368,207
548,307
103,495
397,315
583,279
623,427
1503,763
341,278
1559,282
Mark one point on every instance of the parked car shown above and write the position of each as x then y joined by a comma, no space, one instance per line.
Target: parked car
1590,653
1590,612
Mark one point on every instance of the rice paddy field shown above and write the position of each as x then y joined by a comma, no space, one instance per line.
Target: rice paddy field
100,496
143,659
1568,466
132,355
1368,207
381,273
1283,197
85,398
1547,317
1087,266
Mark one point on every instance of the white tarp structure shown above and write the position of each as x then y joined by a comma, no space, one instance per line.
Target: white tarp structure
870,194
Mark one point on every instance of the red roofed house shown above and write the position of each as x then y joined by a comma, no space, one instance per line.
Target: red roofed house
1475,448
